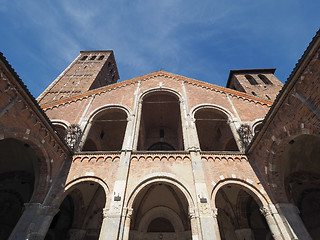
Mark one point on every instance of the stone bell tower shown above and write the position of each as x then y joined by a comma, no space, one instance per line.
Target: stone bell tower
90,70
258,82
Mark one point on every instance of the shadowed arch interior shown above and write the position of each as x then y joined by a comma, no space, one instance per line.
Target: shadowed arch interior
214,133
107,131
160,208
80,213
19,177
300,171
160,122
239,214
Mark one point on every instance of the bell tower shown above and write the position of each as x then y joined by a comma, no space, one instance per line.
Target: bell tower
258,82
90,70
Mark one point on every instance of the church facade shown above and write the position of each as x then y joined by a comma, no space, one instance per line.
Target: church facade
161,156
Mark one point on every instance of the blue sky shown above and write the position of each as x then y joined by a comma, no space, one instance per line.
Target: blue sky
198,39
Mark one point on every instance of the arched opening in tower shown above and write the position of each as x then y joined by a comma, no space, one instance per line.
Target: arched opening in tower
239,215
107,131
213,130
80,215
160,124
160,210
300,170
19,178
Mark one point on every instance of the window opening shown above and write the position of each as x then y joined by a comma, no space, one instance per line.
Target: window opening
84,58
100,58
265,79
251,80
93,58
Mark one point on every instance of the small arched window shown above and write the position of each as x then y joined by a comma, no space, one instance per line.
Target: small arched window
265,79
93,58
251,80
101,57
84,58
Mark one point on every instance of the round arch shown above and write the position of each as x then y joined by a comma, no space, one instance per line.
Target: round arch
160,89
115,125
160,115
250,189
162,177
76,181
163,212
101,109
61,122
215,107
44,166
215,128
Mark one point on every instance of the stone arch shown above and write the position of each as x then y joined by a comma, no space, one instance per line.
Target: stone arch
281,139
44,166
254,192
215,128
213,106
81,209
76,181
24,177
298,173
162,125
61,126
256,125
166,178
106,128
153,214
164,212
239,207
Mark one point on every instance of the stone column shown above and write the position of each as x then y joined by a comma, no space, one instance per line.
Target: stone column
127,223
273,226
34,222
207,223
215,219
194,220
291,217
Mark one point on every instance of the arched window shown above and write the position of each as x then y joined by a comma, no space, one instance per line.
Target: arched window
214,133
160,125
107,131
265,79
251,80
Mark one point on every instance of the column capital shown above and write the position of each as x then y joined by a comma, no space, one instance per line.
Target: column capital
192,213
105,212
265,211
215,212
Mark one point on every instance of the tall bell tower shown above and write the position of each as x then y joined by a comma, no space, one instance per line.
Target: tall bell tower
261,83
90,70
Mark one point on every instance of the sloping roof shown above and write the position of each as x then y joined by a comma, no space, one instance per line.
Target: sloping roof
27,94
155,74
293,77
